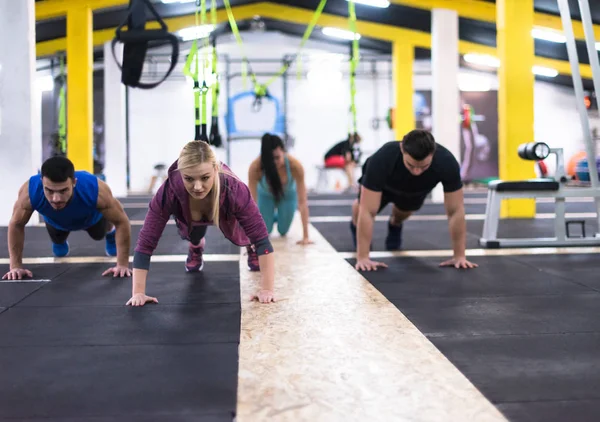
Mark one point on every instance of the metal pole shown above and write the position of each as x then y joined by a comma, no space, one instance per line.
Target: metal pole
565,14
228,89
590,41
285,86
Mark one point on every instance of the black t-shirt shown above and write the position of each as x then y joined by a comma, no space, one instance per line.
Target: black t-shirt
385,172
341,148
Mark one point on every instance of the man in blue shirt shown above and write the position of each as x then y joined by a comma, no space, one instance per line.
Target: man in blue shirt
69,200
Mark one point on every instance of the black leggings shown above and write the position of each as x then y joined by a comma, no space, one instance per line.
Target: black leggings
198,232
96,232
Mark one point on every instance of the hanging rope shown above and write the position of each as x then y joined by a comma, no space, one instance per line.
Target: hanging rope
215,137
62,110
353,66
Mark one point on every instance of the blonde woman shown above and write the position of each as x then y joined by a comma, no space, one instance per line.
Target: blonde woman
200,191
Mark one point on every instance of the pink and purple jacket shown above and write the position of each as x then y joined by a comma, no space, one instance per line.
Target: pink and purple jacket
240,220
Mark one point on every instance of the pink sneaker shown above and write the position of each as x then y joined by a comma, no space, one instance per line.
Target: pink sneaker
194,261
252,259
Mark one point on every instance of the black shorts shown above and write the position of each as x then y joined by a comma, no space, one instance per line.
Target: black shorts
97,231
402,202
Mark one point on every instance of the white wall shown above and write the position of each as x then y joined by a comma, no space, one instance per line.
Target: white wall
162,119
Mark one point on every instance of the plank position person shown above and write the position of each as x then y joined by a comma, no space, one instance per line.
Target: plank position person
276,181
69,201
200,191
404,173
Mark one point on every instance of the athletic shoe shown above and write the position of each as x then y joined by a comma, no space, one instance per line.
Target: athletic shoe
194,262
60,250
393,241
111,244
253,264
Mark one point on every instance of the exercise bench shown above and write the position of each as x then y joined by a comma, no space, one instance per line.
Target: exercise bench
538,188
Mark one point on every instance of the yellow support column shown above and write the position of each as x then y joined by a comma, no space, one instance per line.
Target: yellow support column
403,56
515,97
80,117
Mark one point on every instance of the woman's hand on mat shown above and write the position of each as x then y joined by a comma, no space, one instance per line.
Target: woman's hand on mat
305,241
118,271
264,296
367,265
17,274
460,262
140,299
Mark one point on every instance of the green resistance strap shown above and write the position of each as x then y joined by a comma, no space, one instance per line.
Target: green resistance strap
215,137
62,110
353,64
199,90
261,90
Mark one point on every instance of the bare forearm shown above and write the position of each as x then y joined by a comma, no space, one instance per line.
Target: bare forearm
139,281
458,232
304,216
16,240
123,239
364,234
267,271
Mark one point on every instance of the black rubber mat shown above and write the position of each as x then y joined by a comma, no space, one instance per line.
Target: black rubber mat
568,410
434,234
81,244
83,285
118,380
408,280
523,333
14,291
438,209
72,350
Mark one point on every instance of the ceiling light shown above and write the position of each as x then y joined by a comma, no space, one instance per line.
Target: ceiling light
373,3
482,59
473,83
177,1
340,33
548,35
195,32
545,71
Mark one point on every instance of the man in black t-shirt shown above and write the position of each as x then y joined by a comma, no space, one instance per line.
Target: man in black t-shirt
404,173
344,155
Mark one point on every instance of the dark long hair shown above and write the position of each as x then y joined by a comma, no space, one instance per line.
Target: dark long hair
269,143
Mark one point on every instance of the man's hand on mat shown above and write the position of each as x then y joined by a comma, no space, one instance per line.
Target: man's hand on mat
461,262
305,241
367,265
17,274
140,299
118,271
264,296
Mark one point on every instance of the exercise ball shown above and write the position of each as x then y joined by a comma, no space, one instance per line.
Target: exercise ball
572,163
582,169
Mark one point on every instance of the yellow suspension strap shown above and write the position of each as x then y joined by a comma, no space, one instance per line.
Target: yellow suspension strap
353,66
215,137
261,90
194,59
62,110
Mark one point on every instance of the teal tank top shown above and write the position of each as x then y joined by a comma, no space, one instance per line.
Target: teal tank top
289,190
79,214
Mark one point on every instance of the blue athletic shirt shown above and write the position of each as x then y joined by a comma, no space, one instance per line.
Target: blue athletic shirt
80,212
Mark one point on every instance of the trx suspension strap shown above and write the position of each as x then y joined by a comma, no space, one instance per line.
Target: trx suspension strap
136,40
261,90
194,58
353,65
215,137
62,110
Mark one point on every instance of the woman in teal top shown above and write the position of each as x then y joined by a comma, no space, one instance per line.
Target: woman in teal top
276,181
